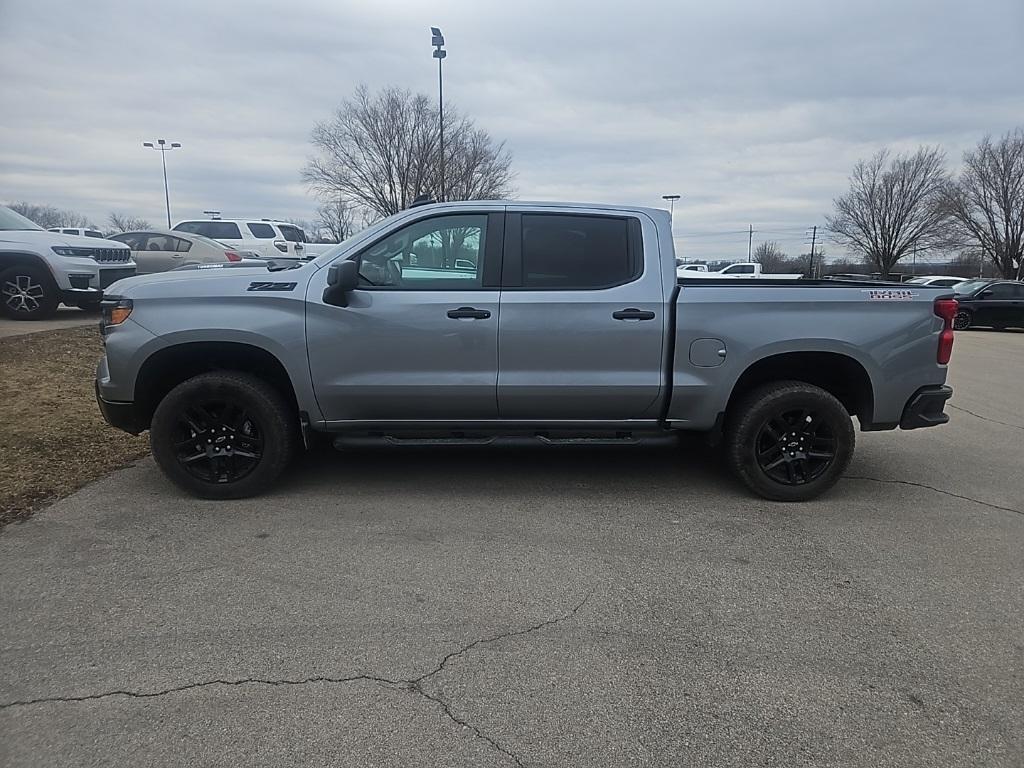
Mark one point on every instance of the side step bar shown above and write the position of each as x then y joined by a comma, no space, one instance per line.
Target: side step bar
343,442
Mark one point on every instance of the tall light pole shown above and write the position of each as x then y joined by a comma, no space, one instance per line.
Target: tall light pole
437,40
163,147
671,202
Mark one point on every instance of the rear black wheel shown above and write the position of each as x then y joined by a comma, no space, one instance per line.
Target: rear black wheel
223,435
27,292
962,320
789,441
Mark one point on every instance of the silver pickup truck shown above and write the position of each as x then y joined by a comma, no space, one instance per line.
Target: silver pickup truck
478,322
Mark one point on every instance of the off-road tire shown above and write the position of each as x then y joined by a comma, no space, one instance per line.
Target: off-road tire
749,428
271,417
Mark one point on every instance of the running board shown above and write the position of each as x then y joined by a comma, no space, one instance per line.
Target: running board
343,441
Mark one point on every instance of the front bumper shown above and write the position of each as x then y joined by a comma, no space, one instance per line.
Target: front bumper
123,416
925,408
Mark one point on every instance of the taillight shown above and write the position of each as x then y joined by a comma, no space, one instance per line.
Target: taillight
232,256
946,309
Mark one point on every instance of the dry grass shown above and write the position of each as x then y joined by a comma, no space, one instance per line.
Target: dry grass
53,439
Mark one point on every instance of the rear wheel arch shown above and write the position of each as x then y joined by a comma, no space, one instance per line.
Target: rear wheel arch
842,376
166,368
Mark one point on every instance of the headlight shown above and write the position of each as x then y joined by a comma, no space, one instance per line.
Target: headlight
115,311
65,250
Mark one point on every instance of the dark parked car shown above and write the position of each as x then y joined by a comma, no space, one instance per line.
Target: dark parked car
994,303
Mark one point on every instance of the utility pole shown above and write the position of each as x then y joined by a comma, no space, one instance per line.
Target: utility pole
750,242
814,239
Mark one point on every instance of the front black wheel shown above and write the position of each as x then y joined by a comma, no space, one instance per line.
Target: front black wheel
223,435
27,292
789,441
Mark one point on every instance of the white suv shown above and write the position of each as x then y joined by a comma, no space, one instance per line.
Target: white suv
270,239
41,269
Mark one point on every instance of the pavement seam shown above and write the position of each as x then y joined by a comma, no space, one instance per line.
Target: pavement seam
936,490
413,685
985,418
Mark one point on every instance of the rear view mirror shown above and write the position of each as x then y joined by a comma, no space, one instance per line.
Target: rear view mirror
341,280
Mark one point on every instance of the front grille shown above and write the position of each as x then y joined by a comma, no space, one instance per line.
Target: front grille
108,276
111,255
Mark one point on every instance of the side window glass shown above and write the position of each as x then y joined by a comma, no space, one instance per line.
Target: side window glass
441,253
180,245
576,252
261,230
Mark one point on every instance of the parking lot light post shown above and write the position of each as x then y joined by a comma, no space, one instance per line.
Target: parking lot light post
437,40
164,147
671,202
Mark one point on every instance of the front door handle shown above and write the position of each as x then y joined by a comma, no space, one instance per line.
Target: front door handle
632,313
468,312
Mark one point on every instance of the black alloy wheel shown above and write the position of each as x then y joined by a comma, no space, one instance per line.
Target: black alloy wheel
795,446
217,442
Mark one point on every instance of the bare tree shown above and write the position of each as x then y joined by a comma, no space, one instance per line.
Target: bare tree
895,205
770,256
987,201
120,222
47,216
336,219
381,151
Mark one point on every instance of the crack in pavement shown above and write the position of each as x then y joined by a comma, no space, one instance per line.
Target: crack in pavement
933,488
413,685
985,418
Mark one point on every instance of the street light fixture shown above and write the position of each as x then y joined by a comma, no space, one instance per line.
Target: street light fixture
163,147
671,202
437,40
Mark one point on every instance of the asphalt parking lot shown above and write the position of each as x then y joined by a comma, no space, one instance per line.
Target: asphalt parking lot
547,607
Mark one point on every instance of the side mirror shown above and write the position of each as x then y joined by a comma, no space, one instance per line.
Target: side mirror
342,279
984,294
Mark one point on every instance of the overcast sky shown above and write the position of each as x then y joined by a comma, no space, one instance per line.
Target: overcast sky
753,111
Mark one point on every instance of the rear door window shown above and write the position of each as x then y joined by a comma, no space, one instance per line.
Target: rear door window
570,252
218,230
261,230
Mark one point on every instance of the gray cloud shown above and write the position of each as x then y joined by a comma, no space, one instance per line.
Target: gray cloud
754,112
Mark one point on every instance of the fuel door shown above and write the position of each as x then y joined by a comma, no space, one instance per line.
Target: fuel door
707,353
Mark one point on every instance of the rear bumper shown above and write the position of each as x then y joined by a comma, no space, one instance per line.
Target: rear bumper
926,408
124,416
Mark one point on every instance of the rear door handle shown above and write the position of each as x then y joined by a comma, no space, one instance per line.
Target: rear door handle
468,312
632,313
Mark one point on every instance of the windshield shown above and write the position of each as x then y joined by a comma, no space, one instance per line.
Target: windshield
917,281
970,286
11,221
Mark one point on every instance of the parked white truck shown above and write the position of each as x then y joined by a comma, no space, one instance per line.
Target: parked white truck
743,270
40,269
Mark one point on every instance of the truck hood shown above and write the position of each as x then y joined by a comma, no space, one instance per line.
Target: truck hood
185,283
38,238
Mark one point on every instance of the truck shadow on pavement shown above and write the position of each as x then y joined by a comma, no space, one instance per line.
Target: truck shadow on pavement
520,472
